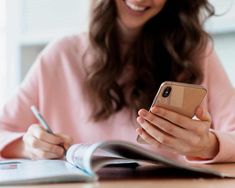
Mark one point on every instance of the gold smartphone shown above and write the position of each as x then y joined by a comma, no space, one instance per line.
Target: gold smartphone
178,97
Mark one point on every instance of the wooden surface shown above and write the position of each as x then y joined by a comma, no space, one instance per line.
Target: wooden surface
146,178
153,183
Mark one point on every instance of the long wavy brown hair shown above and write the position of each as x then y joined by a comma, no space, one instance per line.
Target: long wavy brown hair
168,48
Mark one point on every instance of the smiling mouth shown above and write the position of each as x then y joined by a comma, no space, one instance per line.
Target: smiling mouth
135,7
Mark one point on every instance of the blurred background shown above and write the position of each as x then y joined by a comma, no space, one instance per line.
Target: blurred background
27,26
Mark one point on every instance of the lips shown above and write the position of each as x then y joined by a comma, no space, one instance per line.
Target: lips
135,7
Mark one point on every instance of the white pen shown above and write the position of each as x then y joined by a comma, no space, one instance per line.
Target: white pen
44,124
41,119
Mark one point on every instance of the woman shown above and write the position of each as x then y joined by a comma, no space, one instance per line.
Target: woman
90,87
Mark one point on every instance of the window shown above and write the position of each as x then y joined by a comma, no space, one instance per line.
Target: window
3,63
225,21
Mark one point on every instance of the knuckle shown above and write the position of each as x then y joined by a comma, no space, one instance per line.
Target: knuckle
59,140
40,134
56,139
50,148
56,149
42,154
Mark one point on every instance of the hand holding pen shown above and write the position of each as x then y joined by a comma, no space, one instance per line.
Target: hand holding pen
40,141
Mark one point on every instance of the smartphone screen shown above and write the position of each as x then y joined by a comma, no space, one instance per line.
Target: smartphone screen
179,97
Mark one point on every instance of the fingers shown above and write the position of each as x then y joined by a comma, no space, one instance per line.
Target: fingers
41,144
151,133
150,140
42,150
181,120
38,132
147,137
202,114
177,132
165,125
161,140
155,132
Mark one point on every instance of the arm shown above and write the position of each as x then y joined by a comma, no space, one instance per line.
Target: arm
20,133
15,116
221,105
203,140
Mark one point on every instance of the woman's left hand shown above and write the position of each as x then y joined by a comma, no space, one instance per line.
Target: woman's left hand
186,136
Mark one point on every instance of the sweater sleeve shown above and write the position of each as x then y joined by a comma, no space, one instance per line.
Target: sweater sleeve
221,105
49,75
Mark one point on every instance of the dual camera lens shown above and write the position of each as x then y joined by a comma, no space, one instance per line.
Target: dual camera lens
166,92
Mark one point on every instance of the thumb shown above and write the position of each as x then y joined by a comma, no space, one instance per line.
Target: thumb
202,114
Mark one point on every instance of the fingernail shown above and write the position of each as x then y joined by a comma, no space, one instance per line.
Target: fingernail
143,113
154,109
140,120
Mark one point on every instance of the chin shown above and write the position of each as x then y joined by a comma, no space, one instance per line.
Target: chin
133,25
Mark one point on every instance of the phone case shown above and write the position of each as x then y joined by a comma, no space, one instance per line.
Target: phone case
179,97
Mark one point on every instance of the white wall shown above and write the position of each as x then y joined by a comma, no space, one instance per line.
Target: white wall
31,24
3,68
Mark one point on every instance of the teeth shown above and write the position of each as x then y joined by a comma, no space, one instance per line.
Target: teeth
134,7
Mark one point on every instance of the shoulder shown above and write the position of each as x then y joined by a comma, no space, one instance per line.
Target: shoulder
61,59
209,59
213,70
67,45
64,53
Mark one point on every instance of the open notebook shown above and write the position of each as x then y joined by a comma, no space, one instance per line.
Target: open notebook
82,161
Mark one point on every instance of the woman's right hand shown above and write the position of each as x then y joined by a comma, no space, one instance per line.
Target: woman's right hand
37,143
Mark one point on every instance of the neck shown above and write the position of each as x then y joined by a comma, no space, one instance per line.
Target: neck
127,35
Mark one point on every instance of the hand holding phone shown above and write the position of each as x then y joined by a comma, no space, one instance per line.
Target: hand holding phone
169,125
178,97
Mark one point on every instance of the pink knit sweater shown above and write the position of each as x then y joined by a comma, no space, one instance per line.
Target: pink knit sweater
55,84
